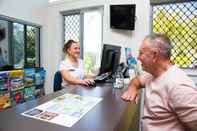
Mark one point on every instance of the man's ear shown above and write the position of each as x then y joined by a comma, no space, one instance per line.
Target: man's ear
155,55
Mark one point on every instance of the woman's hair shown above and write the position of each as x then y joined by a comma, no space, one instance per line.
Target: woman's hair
67,45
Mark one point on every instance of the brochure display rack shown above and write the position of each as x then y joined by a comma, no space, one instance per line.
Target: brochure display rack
18,86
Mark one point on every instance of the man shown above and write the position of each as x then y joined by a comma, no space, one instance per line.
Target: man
170,96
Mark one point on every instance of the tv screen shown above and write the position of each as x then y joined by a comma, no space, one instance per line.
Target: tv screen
122,16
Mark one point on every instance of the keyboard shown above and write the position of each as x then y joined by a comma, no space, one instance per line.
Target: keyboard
102,77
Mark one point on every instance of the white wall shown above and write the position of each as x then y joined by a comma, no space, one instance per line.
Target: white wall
131,39
28,10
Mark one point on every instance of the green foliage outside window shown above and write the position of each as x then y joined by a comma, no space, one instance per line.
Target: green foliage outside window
89,62
18,44
31,46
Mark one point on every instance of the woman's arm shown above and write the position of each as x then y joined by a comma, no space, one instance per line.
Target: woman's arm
71,80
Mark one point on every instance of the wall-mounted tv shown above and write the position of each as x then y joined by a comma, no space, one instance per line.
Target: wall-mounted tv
122,16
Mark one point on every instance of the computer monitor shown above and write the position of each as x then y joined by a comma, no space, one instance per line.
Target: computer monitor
110,58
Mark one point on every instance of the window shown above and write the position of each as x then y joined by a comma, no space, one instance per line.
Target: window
85,26
4,46
32,46
179,22
20,46
92,39
72,27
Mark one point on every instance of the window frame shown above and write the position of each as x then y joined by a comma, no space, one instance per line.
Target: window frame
11,21
159,2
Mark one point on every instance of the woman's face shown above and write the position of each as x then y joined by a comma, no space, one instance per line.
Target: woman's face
74,50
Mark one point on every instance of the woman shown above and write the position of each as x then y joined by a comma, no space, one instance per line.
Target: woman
72,68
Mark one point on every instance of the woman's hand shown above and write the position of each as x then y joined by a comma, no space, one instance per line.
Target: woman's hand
87,82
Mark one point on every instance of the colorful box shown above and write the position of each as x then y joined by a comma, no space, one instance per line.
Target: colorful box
17,96
5,101
29,77
29,93
16,79
4,80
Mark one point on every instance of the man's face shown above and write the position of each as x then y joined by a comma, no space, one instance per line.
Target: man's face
146,56
74,50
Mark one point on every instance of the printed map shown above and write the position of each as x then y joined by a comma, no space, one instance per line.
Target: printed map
64,110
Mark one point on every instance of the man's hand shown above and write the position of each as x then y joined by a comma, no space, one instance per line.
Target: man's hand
131,95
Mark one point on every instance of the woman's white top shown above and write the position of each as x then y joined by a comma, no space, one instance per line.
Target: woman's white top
76,72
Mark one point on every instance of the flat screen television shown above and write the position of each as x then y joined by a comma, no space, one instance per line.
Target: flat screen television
122,16
110,58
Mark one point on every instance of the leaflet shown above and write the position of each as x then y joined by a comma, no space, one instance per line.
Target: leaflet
64,110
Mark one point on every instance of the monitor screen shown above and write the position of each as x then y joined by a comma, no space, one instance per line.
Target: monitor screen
122,16
110,58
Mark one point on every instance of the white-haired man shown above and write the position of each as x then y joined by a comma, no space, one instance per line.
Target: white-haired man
170,95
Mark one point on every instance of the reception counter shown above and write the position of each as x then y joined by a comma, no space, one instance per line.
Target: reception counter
111,114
